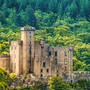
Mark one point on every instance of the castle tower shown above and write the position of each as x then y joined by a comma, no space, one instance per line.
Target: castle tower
27,36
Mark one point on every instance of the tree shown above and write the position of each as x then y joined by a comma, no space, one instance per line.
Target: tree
2,18
30,17
56,83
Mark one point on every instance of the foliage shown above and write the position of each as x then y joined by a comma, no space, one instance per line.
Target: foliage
56,83
12,75
3,79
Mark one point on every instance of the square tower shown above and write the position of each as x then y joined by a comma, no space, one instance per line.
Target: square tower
27,36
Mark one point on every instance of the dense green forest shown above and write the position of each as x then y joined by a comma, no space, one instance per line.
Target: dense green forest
58,22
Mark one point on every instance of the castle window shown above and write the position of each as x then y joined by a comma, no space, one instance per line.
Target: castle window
29,36
49,53
30,32
41,70
47,70
55,53
14,65
57,74
65,61
44,64
65,53
55,61
57,70
30,48
3,63
30,42
41,75
11,65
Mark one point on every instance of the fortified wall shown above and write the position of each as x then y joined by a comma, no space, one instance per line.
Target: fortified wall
73,77
5,61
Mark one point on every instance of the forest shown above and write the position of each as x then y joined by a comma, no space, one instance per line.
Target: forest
58,22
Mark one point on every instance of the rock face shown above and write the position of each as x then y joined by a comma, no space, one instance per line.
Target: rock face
30,79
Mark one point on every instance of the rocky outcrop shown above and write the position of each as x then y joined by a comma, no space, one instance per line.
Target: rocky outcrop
30,79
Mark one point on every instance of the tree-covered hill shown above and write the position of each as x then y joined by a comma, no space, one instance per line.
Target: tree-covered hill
58,22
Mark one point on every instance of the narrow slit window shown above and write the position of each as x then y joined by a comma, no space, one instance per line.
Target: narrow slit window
44,64
55,61
49,53
47,70
41,75
30,32
55,53
30,48
65,61
41,70
29,36
30,42
65,53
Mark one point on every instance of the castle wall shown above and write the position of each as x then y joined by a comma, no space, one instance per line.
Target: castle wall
15,57
5,61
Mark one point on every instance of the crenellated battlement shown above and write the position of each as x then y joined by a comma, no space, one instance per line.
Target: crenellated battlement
4,55
27,28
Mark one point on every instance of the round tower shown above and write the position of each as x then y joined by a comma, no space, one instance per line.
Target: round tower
27,36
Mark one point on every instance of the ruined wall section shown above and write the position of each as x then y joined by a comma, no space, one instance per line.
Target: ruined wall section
5,61
15,62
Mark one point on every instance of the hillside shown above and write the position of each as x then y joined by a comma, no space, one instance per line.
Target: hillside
58,22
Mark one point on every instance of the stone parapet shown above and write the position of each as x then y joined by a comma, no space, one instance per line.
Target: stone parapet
4,55
27,28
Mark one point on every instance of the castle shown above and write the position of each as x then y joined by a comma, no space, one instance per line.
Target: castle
29,56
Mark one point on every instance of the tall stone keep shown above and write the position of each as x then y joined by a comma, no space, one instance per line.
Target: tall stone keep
27,36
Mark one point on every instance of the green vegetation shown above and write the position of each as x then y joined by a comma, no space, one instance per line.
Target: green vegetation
58,22
3,79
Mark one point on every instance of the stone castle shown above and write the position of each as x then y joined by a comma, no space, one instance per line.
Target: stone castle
29,56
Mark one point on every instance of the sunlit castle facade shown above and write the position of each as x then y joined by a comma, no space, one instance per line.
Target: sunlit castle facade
29,56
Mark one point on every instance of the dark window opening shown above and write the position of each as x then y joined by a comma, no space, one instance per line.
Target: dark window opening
55,53
57,70
44,64
41,75
29,36
41,70
57,74
30,42
65,53
30,48
30,32
49,53
47,70
55,61
71,81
